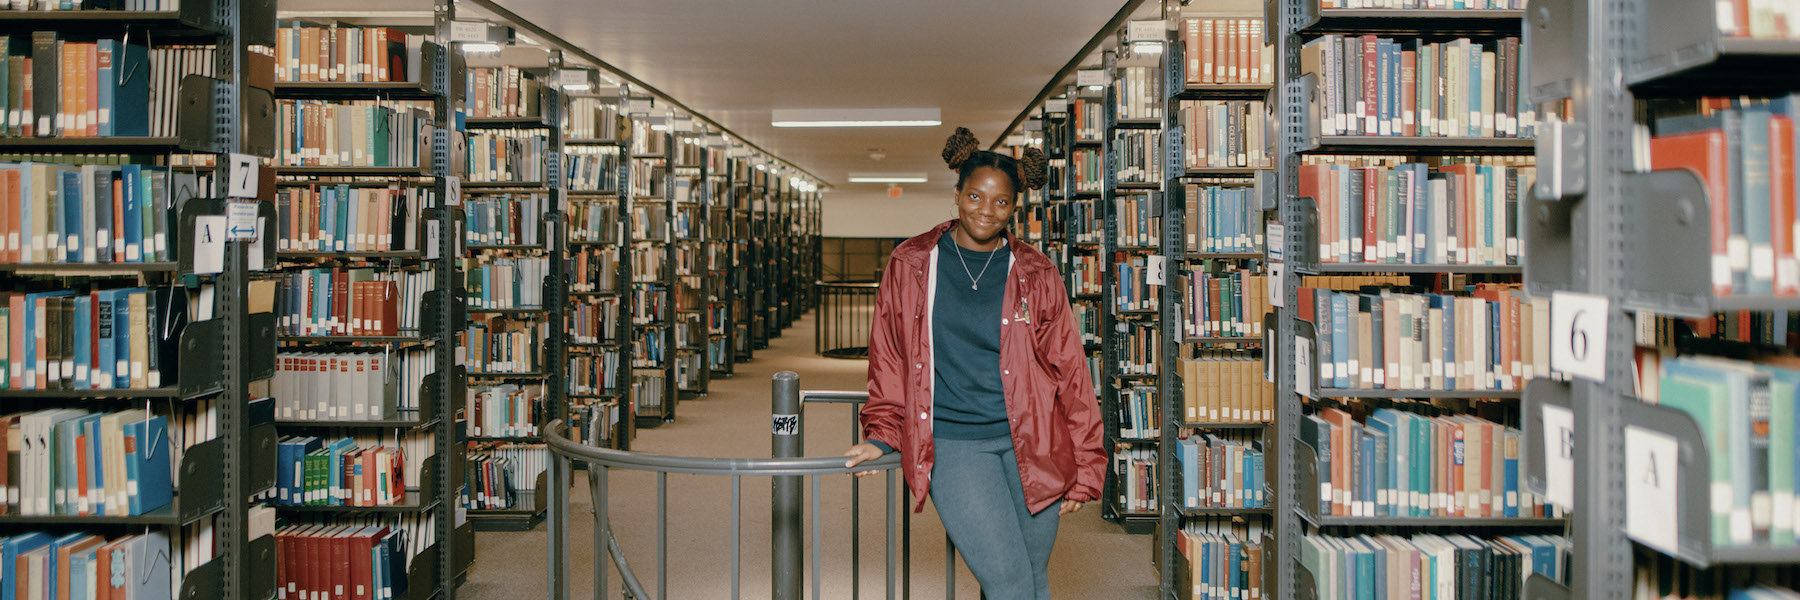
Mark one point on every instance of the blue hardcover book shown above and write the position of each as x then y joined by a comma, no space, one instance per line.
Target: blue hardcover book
131,176
1190,471
53,565
124,335
96,492
1340,340
1422,464
1257,474
1474,91
102,374
10,549
1365,569
1235,568
1392,457
284,469
1377,472
99,180
334,459
107,50
1492,369
1510,471
147,449
1364,470
62,464
67,201
131,94
341,241
1756,197
84,341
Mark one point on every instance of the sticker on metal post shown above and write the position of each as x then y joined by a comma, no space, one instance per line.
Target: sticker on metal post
784,424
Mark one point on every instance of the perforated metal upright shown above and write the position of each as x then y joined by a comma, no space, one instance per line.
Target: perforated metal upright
1282,20
448,377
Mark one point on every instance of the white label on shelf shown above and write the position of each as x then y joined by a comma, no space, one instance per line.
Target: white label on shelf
257,251
209,244
1088,77
1156,270
784,424
641,106
1303,367
431,237
1651,484
468,31
243,173
568,77
1275,241
1056,105
1277,295
1559,456
1144,31
1578,335
240,221
452,190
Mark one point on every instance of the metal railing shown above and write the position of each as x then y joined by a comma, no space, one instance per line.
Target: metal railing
787,471
846,313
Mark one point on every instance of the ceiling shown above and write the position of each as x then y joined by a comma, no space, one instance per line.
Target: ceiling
980,63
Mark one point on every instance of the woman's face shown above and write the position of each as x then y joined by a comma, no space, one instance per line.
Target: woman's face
985,205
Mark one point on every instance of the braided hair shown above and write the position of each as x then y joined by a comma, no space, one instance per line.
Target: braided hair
963,153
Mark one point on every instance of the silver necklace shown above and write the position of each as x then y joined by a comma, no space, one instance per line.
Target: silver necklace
974,280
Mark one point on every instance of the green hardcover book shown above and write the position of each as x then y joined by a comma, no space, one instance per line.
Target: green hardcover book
1709,403
1783,385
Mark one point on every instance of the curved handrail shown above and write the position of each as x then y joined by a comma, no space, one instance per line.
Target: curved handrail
848,284
554,435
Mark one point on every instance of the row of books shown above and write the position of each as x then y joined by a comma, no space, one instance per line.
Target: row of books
594,271
1224,303
1134,467
353,562
502,345
1226,50
593,221
85,566
1747,414
647,389
343,53
1427,4
649,264
1226,386
1087,117
506,156
1431,567
1084,274
649,303
74,462
1743,151
501,92
350,301
1657,576
689,368
1088,169
1132,290
1418,213
1224,219
350,386
718,354
1137,93
65,88
121,338
346,218
1138,156
505,282
650,221
356,133
597,424
594,374
1086,221
651,348
510,219
655,145
1495,339
1758,19
1223,562
1087,321
147,5
1226,133
502,476
1138,220
689,330
1139,413
60,213
506,410
1371,85
595,119
1394,462
1138,348
594,321
1223,471
311,471
591,168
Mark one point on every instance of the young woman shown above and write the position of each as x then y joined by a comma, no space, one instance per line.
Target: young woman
978,378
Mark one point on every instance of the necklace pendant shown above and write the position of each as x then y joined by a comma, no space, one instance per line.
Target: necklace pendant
975,286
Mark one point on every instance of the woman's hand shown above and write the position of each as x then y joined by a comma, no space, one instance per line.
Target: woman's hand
859,454
1069,507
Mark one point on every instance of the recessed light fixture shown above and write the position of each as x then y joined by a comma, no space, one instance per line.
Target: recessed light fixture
887,178
856,117
481,48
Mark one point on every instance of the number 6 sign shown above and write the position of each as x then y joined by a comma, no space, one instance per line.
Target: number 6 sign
1578,335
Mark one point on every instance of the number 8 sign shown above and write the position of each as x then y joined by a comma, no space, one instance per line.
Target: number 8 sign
1578,335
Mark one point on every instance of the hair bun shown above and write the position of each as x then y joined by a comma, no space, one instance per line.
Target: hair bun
960,147
1033,168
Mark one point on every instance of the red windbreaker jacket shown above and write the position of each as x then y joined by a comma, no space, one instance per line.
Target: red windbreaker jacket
1049,395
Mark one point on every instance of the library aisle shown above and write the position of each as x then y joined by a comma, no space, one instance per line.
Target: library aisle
1094,559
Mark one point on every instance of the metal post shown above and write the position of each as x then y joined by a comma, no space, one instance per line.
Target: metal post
785,543
559,527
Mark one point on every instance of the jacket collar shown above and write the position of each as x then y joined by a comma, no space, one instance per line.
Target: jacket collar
917,250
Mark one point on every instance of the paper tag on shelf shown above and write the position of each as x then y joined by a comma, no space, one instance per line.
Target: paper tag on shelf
1559,456
468,31
1156,270
1275,241
452,190
1056,105
1303,367
209,244
243,174
431,237
1090,77
258,257
1578,335
1277,295
568,77
240,221
1651,489
641,106
1144,31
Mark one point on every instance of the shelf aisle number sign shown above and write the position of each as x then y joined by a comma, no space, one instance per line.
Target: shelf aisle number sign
1559,455
1651,497
1578,335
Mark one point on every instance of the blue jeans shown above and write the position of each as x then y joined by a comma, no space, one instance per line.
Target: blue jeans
975,486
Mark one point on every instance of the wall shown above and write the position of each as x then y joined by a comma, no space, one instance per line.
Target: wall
860,214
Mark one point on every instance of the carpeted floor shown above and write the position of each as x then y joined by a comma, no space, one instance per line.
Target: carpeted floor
1094,559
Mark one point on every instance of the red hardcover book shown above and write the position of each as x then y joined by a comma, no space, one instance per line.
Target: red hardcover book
9,227
1340,463
1197,50
1409,92
1372,210
1703,152
1781,204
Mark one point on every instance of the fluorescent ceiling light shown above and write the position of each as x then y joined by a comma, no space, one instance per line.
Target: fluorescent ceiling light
481,47
856,117
577,87
887,178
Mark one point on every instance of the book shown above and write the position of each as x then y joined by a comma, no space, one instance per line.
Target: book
1225,386
500,156
507,410
1223,471
350,386
1223,560
1226,51
1458,88
594,373
1223,219
349,301
343,53
375,219
505,219
1137,154
1225,133
356,133
1430,566
591,168
502,345
503,475
595,119
505,282
1229,302
1442,212
507,91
